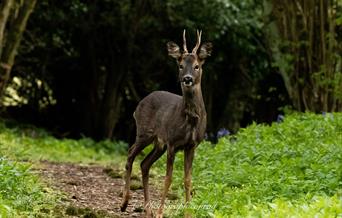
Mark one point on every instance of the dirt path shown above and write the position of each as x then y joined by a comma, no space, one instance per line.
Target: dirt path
92,191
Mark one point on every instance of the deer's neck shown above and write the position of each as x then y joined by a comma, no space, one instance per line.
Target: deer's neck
193,103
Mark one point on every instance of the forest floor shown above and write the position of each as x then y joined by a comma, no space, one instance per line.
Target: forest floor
300,157
92,190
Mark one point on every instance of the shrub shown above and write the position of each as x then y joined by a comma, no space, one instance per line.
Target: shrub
292,167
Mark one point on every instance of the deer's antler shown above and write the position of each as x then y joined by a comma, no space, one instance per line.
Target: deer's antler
184,43
199,34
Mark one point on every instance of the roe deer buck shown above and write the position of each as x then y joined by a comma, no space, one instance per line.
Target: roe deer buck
171,122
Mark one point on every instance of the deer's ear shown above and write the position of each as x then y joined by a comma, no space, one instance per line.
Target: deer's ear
205,50
174,50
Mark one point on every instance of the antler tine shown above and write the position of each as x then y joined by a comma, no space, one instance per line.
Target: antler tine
184,43
199,35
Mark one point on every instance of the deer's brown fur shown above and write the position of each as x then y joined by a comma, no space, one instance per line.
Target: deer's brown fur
171,122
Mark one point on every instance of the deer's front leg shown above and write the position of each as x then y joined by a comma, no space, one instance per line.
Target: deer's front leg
168,178
188,158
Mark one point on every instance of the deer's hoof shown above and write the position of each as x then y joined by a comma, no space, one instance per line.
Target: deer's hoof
124,206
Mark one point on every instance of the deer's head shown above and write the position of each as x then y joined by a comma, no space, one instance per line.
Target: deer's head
190,64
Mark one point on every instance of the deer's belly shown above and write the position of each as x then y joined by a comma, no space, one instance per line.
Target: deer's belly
187,138
180,136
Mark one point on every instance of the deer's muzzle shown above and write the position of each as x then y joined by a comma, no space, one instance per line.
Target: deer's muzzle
188,80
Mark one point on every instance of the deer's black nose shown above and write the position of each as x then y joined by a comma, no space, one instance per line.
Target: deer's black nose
188,80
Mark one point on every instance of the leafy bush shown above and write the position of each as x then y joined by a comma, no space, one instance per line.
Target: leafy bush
289,168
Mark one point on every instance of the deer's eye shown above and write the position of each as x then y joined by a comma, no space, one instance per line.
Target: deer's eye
196,67
181,67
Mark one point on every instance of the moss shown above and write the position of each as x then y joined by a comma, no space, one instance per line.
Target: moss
115,174
135,177
90,215
135,185
71,211
138,209
172,196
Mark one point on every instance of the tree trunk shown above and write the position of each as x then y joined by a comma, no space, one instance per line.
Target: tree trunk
13,39
5,8
106,89
111,105
302,41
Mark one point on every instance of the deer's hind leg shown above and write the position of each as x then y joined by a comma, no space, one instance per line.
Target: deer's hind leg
168,178
146,164
136,148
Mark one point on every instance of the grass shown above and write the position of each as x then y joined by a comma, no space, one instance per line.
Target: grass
33,144
289,169
22,194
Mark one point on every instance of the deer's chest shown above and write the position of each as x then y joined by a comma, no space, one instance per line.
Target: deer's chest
188,134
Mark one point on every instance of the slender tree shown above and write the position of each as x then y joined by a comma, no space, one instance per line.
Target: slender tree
5,7
303,42
10,40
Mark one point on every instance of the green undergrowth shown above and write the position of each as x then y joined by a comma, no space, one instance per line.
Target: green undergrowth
288,169
33,144
22,193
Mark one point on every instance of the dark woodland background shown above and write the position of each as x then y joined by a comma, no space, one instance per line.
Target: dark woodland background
79,67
